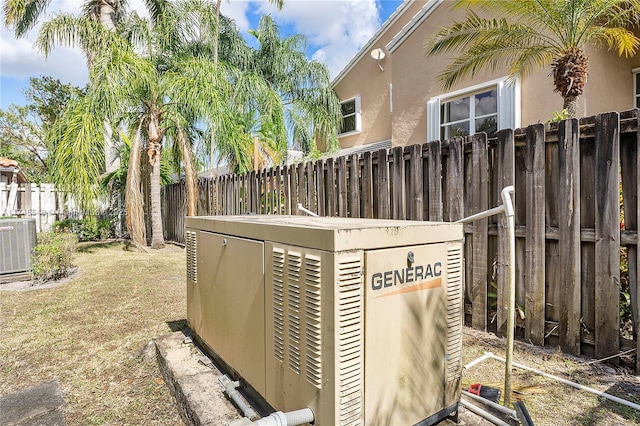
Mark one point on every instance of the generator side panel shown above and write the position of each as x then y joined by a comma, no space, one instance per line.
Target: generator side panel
412,333
314,338
225,300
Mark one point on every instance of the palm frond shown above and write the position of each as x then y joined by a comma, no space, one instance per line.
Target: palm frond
23,15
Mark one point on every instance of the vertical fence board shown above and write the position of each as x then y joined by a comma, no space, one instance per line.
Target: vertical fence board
287,190
321,187
607,235
417,190
479,203
382,179
396,173
535,236
505,159
434,161
302,188
588,221
311,182
341,178
278,189
354,186
293,184
331,188
629,175
569,234
367,185
455,179
635,302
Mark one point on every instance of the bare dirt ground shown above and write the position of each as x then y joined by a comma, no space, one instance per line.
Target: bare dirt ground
89,331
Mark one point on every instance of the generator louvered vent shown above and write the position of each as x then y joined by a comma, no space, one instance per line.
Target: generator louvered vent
313,275
293,307
297,312
192,258
454,314
278,304
350,340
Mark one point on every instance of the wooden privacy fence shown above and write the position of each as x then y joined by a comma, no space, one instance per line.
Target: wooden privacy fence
576,206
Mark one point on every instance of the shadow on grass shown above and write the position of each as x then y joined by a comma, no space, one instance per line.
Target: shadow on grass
625,389
92,246
177,325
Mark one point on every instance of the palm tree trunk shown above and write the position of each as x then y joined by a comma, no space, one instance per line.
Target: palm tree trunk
133,195
157,233
571,105
190,174
154,151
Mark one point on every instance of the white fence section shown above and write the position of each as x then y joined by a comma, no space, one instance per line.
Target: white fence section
43,202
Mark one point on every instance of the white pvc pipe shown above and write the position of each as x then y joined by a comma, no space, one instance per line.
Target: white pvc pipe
511,278
479,411
491,404
291,418
477,361
570,383
307,211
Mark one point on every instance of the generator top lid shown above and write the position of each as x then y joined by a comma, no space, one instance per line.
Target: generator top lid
329,233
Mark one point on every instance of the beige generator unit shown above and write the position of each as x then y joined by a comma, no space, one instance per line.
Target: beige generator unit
358,319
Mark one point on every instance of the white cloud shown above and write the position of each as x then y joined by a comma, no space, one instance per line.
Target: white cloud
21,60
337,28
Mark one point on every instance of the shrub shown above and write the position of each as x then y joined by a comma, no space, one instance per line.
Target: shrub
52,257
85,229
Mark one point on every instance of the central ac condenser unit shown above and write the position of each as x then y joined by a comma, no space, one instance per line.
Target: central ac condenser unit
17,240
358,319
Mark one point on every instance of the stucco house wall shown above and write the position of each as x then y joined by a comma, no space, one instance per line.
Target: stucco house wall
394,102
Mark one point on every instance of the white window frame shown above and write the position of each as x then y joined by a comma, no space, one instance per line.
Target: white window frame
509,105
357,113
636,90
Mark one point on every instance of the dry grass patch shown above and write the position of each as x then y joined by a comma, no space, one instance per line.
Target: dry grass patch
88,334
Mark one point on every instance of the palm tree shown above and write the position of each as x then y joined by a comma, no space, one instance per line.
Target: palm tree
312,109
161,91
530,35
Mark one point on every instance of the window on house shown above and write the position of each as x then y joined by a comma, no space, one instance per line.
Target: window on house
636,86
485,108
350,116
471,114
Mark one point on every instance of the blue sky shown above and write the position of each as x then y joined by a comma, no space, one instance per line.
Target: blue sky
335,30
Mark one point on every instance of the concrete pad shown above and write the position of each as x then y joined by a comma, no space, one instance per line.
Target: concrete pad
200,397
37,406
